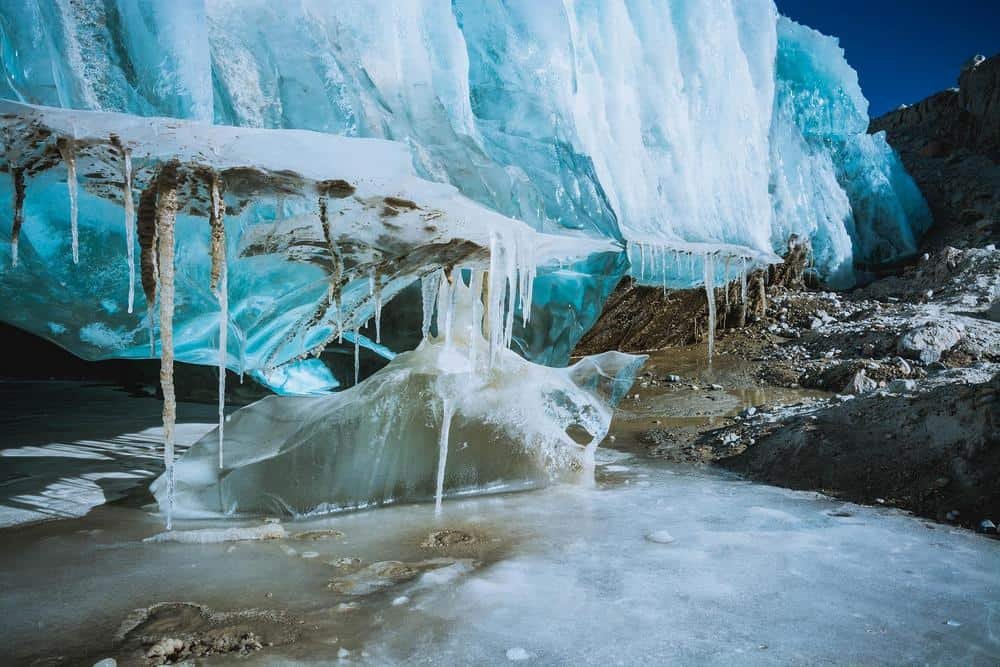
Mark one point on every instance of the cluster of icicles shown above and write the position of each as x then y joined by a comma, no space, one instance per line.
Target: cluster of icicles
495,296
154,227
658,260
507,285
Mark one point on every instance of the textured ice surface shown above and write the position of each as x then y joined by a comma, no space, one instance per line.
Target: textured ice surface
459,414
682,122
320,231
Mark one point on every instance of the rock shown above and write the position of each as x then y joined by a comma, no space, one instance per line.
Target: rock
987,526
929,340
749,412
672,378
715,387
902,386
860,384
660,537
343,653
400,601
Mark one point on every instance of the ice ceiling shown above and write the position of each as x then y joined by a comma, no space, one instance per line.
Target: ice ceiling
247,182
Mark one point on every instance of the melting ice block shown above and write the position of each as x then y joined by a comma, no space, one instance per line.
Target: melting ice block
460,414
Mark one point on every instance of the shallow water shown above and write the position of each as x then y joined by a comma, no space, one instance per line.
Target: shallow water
565,575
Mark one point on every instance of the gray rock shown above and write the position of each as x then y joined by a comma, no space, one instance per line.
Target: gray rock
987,526
860,384
902,386
672,378
929,340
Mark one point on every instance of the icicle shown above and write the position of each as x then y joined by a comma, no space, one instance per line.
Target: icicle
642,261
448,411
67,149
357,354
726,279
166,212
510,270
743,280
17,174
376,292
663,270
494,312
129,226
476,289
219,281
223,336
446,307
429,286
709,260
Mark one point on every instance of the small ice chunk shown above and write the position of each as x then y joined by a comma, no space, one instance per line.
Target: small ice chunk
660,537
107,662
310,554
517,654
343,653
400,601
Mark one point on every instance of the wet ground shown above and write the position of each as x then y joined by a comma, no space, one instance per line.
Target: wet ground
657,563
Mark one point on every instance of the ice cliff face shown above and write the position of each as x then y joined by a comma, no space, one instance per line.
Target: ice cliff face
687,129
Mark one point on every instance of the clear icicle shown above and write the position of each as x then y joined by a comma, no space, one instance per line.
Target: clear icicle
726,279
129,226
357,353
494,304
446,307
709,261
642,261
476,288
67,149
223,295
743,279
376,290
447,412
429,285
166,212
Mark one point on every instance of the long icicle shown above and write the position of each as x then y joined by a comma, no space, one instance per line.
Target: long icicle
447,412
17,174
67,149
709,261
129,226
166,214
220,282
357,354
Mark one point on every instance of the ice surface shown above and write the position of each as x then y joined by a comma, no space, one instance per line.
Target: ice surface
436,422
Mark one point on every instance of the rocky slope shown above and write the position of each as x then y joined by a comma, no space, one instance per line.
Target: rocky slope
950,144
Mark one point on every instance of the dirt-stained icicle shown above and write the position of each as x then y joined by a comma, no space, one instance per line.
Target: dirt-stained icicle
17,173
166,215
216,218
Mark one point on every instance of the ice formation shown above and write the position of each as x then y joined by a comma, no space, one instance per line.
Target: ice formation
350,150
439,420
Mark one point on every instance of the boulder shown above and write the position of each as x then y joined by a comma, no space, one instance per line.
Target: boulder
929,340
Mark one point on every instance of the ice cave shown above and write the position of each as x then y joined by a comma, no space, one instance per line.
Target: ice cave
366,248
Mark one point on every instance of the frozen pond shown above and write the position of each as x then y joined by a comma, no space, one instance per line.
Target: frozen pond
655,564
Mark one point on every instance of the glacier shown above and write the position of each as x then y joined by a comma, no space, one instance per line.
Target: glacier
184,184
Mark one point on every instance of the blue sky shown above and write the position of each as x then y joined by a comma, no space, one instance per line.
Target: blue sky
903,50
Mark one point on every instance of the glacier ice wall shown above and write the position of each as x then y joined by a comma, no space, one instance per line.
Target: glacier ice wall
681,128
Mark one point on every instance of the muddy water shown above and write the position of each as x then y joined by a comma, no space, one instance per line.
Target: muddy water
738,573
